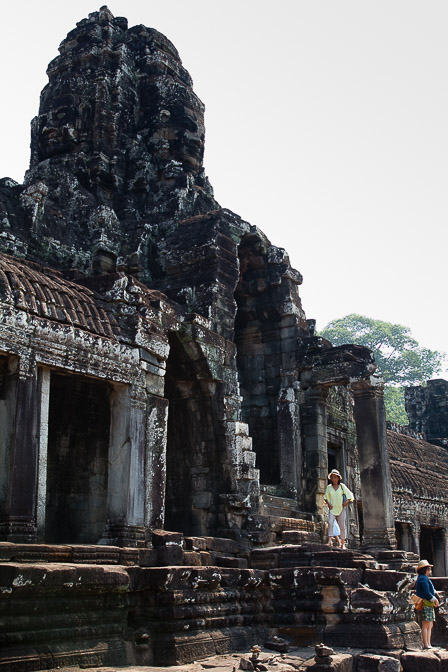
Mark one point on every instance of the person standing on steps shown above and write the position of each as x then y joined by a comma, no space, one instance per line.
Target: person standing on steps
425,589
337,497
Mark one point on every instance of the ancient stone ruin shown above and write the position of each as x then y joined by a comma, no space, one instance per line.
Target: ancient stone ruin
168,414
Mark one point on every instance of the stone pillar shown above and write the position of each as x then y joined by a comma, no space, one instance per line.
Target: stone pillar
415,534
376,487
157,423
126,478
19,451
314,422
407,537
44,377
290,448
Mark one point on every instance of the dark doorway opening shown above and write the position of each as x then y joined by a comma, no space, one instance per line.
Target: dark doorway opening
360,521
194,472
335,456
432,548
404,536
77,468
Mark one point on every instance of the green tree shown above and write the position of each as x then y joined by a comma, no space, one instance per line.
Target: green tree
394,404
401,360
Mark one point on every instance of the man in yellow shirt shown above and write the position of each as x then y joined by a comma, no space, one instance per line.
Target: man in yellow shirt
337,497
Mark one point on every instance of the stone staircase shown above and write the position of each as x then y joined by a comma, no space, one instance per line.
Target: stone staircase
286,523
279,507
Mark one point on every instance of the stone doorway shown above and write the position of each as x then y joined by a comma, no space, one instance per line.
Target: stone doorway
405,537
432,548
77,459
335,455
194,469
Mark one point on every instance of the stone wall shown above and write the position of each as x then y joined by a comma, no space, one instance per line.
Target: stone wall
427,409
107,608
419,471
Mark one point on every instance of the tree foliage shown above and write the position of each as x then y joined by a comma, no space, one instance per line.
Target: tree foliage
395,406
400,359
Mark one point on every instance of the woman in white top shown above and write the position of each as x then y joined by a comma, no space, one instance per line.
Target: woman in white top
337,497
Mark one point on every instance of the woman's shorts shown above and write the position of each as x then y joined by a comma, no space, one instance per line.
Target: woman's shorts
428,614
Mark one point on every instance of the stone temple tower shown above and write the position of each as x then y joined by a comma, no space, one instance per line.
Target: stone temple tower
157,365
168,416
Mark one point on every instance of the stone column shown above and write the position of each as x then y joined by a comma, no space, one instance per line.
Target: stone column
290,449
44,377
20,451
415,535
376,487
126,478
155,481
314,421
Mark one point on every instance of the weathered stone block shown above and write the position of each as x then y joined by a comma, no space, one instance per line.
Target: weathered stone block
327,663
195,543
379,635
221,545
148,557
206,558
250,579
170,555
419,661
384,579
191,558
165,538
225,561
442,654
367,600
411,635
369,662
332,599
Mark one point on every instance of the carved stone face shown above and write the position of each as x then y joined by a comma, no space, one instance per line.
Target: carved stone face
179,137
57,131
119,126
123,104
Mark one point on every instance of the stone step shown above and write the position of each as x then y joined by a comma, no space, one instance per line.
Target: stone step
69,553
276,512
279,502
279,507
281,523
300,537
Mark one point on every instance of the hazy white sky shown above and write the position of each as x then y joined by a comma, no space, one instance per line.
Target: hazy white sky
327,127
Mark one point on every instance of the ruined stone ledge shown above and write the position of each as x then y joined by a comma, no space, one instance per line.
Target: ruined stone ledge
79,554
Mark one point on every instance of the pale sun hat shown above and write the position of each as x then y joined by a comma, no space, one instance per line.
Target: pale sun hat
335,472
423,563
